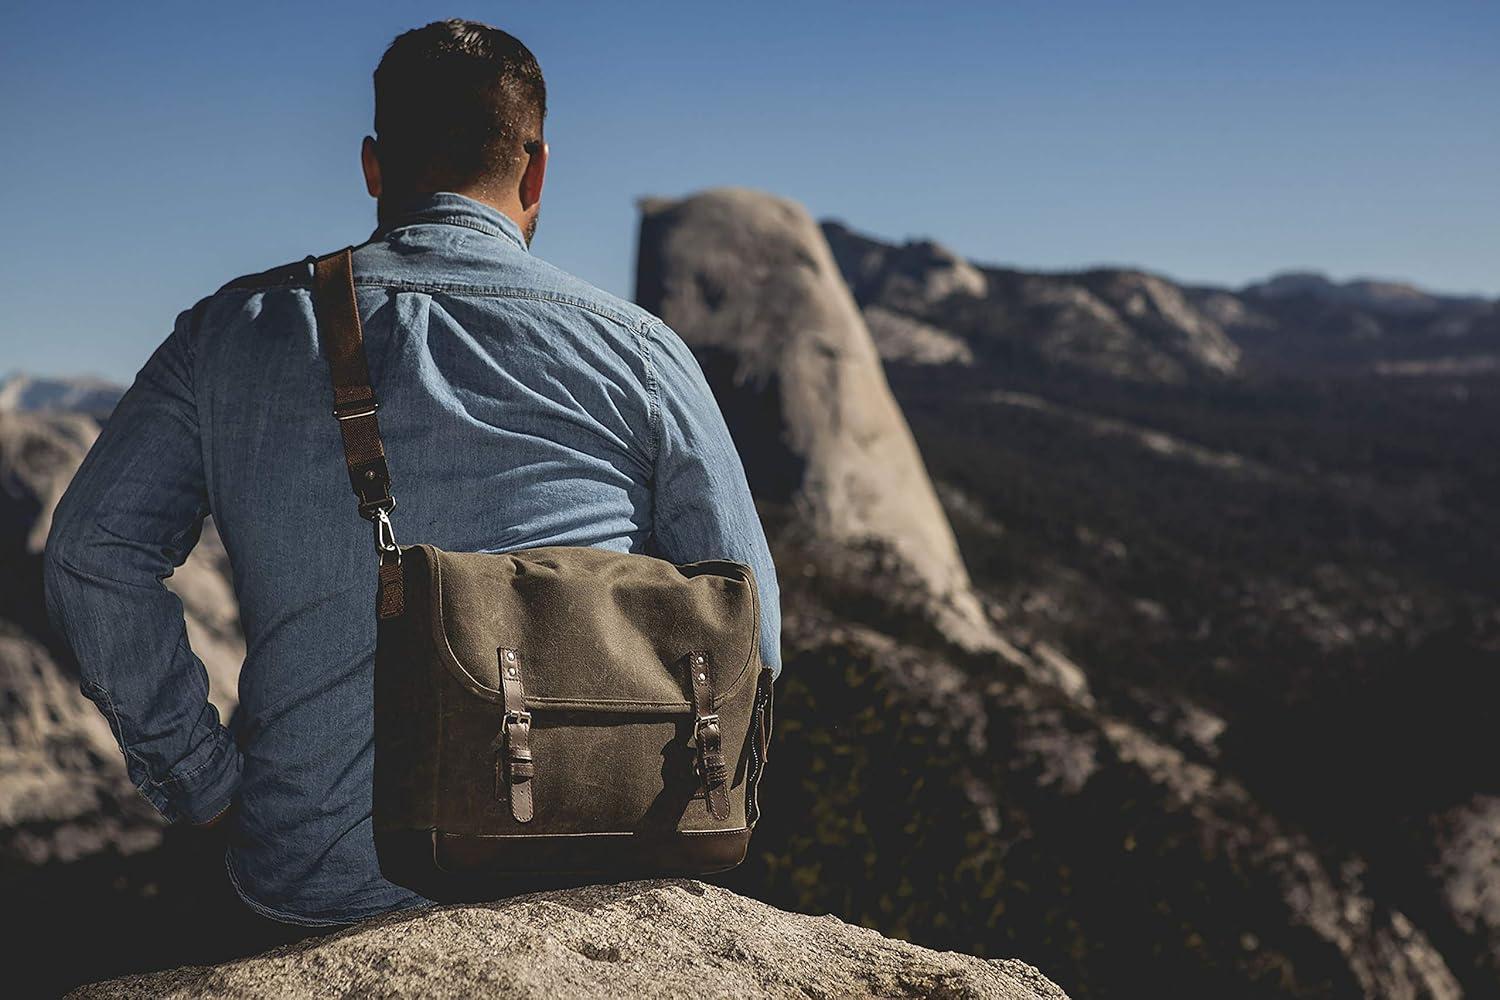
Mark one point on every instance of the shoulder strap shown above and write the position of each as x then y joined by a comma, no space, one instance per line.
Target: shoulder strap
354,405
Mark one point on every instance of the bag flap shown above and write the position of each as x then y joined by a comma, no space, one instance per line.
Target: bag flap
597,630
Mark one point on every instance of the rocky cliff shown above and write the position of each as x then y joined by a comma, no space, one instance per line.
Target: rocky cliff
662,939
1271,571
750,284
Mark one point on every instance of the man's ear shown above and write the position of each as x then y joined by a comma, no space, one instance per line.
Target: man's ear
530,189
371,164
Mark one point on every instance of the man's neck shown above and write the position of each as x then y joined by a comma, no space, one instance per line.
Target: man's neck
505,206
387,210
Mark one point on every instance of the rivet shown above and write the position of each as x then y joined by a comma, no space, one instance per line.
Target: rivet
702,677
698,658
369,473
510,654
511,671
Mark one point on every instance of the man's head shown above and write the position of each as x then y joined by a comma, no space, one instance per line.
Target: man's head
458,107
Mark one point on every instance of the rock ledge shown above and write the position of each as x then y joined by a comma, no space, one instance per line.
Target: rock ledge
671,938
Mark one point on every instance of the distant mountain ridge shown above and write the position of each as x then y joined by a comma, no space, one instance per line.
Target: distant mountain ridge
927,305
23,393
1369,293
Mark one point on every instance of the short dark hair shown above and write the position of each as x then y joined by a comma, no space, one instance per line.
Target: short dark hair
456,102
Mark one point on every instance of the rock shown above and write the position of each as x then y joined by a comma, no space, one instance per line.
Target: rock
38,455
910,278
748,281
1016,808
667,939
64,792
31,394
1302,321
1467,869
1157,311
1128,324
205,583
901,338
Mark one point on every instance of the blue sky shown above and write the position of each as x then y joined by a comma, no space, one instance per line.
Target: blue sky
152,151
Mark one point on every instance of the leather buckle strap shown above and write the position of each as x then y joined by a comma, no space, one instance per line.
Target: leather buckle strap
514,765
342,340
713,769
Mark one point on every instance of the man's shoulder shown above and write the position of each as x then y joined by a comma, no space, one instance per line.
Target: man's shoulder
282,275
289,275
550,282
540,280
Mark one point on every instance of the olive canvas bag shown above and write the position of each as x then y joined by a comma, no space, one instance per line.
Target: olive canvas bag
549,710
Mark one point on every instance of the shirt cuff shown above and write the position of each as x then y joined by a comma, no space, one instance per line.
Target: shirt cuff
202,784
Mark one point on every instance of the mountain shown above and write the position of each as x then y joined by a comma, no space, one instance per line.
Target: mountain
978,800
24,393
1124,324
1282,571
1303,323
924,303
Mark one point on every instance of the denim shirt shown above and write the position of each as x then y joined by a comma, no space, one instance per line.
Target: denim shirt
520,407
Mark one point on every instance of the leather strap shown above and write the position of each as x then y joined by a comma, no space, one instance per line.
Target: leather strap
354,405
712,767
516,767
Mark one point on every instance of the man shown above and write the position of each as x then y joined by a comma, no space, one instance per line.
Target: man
521,407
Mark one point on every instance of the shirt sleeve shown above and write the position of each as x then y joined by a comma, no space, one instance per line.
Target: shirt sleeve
703,507
129,517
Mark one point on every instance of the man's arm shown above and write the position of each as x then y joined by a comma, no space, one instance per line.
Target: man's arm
130,517
703,506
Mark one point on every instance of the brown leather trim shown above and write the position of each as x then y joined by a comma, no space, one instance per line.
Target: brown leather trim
698,852
519,768
448,867
713,770
341,339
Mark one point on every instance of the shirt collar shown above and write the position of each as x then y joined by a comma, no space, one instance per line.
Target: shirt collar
452,209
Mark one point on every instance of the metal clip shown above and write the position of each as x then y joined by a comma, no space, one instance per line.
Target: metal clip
385,537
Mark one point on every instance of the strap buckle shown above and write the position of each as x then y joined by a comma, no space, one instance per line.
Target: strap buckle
518,717
366,408
702,722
